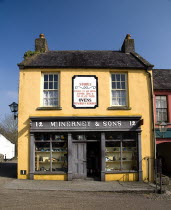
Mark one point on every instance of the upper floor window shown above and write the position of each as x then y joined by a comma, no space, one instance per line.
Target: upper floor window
119,89
161,108
50,89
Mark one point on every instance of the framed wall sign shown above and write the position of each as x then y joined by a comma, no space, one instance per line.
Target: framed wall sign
84,91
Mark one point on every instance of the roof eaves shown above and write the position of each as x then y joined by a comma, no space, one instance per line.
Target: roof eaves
142,60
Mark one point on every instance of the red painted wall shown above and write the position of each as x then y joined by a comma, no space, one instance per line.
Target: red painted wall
163,93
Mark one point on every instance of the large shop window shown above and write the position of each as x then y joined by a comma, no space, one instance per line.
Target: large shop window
50,90
121,152
51,152
119,89
161,109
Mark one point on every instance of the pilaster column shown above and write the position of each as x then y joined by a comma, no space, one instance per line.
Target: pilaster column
32,156
139,157
69,157
102,156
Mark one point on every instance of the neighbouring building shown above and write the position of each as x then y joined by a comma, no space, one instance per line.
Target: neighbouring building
162,113
85,114
7,149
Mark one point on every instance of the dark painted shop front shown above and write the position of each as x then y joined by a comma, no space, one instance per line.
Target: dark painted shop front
85,147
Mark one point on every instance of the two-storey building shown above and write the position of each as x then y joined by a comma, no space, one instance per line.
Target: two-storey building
162,114
85,114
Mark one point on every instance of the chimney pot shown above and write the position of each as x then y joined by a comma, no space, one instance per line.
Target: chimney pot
128,36
42,36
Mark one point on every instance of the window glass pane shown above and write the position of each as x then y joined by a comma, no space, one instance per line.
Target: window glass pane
163,102
161,115
45,94
55,102
115,101
113,136
55,94
114,93
51,101
118,77
45,85
42,156
113,156
129,155
122,85
45,77
118,85
45,102
122,77
55,77
50,94
113,85
129,135
42,136
59,154
55,85
123,93
113,77
50,85
51,77
93,136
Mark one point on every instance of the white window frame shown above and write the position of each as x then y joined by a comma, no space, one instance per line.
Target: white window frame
42,90
163,115
121,89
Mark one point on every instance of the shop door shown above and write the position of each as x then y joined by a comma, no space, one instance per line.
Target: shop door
79,161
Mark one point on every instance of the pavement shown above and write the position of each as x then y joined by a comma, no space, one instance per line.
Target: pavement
79,186
8,181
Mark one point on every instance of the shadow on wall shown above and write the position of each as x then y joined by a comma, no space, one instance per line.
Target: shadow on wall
8,170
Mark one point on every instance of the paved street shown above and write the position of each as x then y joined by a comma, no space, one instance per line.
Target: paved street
35,195
32,199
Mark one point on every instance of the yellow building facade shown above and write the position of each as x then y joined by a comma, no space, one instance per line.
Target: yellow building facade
85,114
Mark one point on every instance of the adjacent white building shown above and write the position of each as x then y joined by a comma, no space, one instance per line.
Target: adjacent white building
6,147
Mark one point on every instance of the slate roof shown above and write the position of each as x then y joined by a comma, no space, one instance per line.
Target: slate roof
162,79
85,59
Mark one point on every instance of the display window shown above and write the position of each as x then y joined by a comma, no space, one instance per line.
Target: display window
121,152
51,152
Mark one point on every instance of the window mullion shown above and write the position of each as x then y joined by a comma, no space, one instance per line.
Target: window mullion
50,153
121,155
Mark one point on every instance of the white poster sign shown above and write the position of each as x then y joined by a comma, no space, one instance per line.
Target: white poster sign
84,91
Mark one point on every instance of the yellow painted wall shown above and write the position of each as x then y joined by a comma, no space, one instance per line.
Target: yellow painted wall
30,99
51,177
122,177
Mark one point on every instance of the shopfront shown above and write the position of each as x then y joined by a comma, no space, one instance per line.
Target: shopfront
85,115
85,147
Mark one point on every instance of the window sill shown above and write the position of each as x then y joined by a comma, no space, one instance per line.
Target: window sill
120,172
119,108
49,108
49,173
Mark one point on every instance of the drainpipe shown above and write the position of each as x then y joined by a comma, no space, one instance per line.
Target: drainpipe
152,112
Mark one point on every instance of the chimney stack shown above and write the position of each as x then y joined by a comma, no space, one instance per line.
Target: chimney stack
128,44
41,44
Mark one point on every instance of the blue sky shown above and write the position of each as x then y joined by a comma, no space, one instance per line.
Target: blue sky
80,25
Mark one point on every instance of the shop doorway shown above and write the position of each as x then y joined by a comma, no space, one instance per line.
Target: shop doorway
79,163
93,160
86,160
